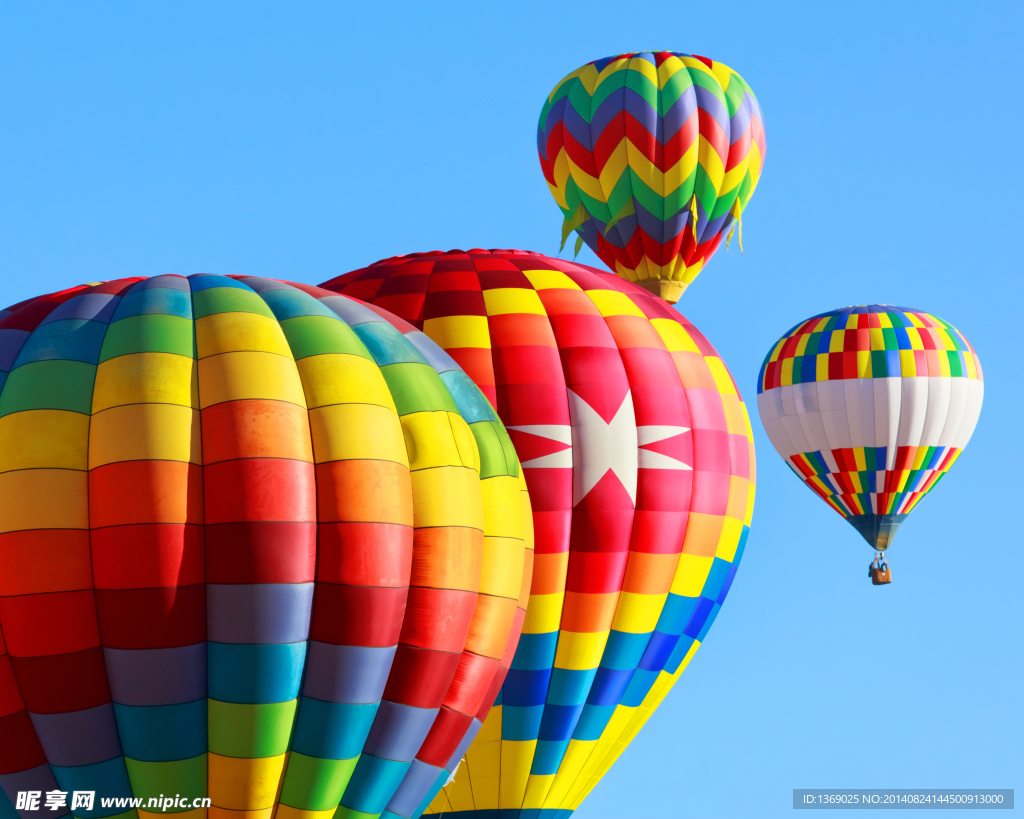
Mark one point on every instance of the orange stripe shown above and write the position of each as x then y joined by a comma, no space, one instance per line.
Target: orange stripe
447,557
375,491
584,612
256,428
489,629
649,573
145,492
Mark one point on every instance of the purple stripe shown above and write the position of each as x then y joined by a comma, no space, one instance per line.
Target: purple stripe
156,676
258,613
78,737
555,113
676,116
641,110
168,282
438,358
580,129
419,779
714,107
262,285
610,107
740,121
11,342
398,730
348,674
34,779
351,312
460,752
94,306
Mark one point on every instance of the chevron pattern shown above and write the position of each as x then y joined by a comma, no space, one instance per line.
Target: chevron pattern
652,158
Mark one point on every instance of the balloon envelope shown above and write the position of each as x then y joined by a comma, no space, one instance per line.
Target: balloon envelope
259,542
652,157
870,406
637,452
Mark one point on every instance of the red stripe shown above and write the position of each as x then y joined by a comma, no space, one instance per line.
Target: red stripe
420,677
357,615
147,555
152,618
261,552
44,681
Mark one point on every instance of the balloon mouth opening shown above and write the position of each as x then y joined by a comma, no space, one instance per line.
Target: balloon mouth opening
877,530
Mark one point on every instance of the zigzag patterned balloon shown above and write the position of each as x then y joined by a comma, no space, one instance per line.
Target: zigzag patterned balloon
652,158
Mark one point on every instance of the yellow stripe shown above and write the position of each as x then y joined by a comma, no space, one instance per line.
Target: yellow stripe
44,438
343,432
447,496
142,432
145,378
238,376
451,332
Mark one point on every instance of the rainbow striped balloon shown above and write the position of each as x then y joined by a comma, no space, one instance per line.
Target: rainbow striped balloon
264,551
652,158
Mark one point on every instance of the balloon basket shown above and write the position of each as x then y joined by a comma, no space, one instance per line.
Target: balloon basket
880,576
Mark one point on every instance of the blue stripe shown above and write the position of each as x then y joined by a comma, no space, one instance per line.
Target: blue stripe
535,651
638,687
559,721
700,614
255,673
286,304
609,685
681,649
387,345
548,757
472,404
332,730
570,686
373,782
70,340
156,301
593,721
526,687
108,778
520,723
658,651
208,282
162,733
623,649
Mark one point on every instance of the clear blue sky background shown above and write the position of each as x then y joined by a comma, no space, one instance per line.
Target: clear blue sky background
302,140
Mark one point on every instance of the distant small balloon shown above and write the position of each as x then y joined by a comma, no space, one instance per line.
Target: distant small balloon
652,157
871,406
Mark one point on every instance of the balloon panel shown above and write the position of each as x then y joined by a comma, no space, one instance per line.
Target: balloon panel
870,406
253,547
652,157
636,448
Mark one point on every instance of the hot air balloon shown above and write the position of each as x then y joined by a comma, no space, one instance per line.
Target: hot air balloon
638,455
259,543
870,406
652,158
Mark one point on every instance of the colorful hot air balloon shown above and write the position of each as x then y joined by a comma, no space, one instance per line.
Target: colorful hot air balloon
870,406
652,157
637,451
259,543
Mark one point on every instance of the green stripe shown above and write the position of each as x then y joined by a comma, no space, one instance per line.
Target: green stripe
228,300
250,730
149,333
62,385
315,784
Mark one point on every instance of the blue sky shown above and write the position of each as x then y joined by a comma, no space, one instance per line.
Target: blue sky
303,140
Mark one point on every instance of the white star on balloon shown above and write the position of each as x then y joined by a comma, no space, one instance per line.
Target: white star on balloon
593,446
600,446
